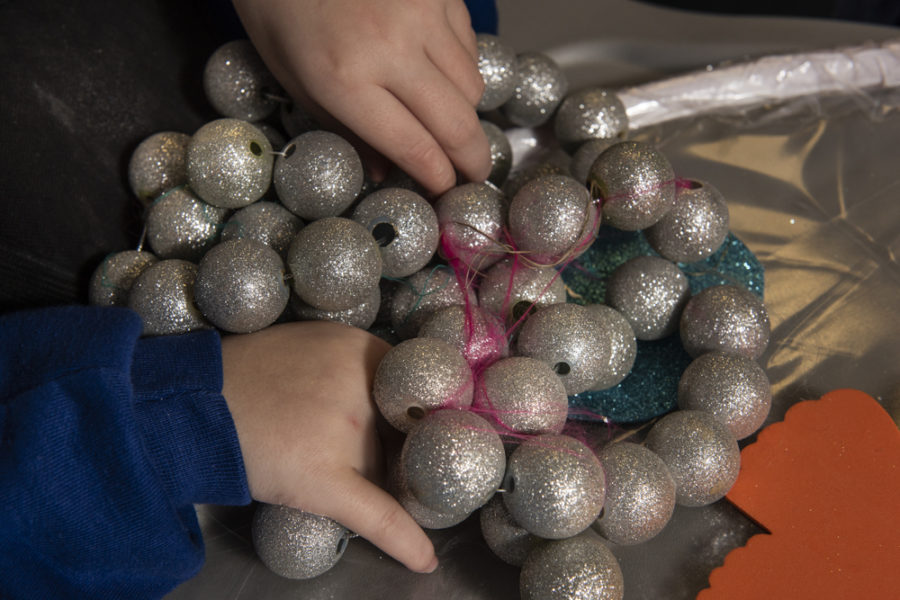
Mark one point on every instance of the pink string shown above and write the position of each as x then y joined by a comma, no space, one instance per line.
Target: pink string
484,344
499,337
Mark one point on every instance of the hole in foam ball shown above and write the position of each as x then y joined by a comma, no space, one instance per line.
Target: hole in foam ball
510,484
341,546
519,309
384,234
694,185
415,412
602,510
288,150
562,368
255,149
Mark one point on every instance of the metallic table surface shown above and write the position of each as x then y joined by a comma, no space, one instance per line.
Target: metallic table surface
813,193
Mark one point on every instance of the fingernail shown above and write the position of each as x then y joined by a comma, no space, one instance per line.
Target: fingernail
432,565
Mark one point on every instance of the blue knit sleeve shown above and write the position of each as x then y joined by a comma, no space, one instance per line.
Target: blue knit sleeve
484,15
106,440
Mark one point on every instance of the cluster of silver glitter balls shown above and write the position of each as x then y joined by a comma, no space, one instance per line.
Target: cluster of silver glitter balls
467,286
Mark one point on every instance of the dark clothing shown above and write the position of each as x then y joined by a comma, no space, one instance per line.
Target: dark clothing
106,441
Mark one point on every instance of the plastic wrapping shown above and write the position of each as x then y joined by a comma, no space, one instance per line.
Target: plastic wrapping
772,79
812,187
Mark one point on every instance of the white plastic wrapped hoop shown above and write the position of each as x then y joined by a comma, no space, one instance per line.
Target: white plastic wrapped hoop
769,79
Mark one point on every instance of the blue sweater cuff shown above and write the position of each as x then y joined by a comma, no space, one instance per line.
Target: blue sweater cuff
188,431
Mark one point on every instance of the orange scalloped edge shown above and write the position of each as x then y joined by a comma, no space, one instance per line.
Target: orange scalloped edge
825,483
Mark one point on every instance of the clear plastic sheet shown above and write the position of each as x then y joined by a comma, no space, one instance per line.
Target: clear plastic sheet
814,190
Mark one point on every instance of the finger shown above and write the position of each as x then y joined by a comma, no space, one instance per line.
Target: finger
365,508
461,23
383,122
453,60
449,117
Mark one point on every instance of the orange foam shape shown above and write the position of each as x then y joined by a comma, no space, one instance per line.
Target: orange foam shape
825,483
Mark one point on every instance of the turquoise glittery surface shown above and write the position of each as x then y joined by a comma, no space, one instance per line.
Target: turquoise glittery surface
651,389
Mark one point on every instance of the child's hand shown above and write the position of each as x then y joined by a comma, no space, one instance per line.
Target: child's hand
401,74
300,395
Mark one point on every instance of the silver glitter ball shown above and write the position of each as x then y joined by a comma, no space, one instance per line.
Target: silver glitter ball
568,337
555,164
509,541
497,65
296,544
181,225
362,315
731,387
510,288
727,318
651,293
552,218
700,452
163,296
622,345
453,460
405,227
584,158
479,335
335,263
640,494
635,183
579,568
522,395
593,113
415,299
238,84
427,518
472,217
319,175
501,153
159,163
113,278
694,228
419,376
540,87
421,514
295,120
229,163
554,485
268,223
240,286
